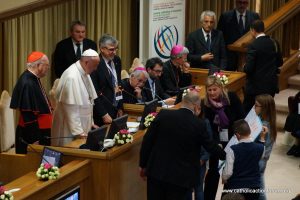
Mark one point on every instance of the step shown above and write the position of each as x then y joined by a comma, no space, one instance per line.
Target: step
294,81
280,120
281,99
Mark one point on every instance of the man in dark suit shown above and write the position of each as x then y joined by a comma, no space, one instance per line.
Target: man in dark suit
176,72
234,24
132,87
69,50
106,80
262,65
206,45
153,88
170,151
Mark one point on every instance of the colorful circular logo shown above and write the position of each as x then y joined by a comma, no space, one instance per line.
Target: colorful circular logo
165,38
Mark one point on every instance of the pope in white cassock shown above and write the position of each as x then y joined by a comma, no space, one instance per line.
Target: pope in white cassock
75,94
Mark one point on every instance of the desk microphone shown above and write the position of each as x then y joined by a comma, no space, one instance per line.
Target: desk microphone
123,90
33,150
57,138
163,102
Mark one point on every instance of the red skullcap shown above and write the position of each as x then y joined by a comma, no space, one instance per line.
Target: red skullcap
34,56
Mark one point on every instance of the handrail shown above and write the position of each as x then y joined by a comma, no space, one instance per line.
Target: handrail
278,18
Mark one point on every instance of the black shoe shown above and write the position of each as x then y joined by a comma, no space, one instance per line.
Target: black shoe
292,150
297,152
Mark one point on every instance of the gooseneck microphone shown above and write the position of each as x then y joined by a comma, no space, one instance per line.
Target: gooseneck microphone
33,150
56,138
160,99
108,101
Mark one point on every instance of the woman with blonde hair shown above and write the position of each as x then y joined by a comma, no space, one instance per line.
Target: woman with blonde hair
221,108
265,109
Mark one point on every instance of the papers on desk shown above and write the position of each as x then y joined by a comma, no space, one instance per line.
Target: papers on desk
133,126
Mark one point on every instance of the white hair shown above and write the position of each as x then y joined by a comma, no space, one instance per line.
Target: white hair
137,73
207,13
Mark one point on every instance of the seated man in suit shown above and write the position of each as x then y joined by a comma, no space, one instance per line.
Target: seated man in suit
69,50
176,72
106,80
153,89
234,24
132,87
206,45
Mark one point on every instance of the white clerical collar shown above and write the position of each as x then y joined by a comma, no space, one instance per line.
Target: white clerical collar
260,35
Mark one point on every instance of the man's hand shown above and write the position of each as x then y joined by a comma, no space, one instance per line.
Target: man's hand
143,173
207,57
107,119
120,113
81,136
185,67
170,101
138,92
95,126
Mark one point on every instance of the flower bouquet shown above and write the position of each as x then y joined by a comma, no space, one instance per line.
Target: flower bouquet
5,194
47,171
149,118
123,137
223,78
195,89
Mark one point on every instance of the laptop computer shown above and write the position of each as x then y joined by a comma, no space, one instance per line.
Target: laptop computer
95,138
116,125
51,156
150,107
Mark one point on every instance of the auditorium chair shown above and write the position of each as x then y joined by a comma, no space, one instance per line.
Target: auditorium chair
7,125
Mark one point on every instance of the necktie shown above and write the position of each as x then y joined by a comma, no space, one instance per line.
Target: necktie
208,42
113,81
78,51
241,25
153,89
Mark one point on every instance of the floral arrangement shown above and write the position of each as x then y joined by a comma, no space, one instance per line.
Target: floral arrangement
47,171
223,78
5,194
149,118
123,137
196,89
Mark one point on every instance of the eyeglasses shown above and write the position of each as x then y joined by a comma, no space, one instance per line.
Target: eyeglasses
112,49
256,105
157,70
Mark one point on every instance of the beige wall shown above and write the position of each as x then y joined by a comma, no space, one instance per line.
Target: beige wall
7,5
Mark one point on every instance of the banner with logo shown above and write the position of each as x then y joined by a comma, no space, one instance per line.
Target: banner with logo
166,27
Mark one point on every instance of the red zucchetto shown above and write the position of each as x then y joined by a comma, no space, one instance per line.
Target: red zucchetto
34,56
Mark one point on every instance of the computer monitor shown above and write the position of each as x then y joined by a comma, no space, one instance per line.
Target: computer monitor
51,156
116,125
73,194
95,138
150,107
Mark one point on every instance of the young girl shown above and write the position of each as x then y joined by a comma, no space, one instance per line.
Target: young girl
265,108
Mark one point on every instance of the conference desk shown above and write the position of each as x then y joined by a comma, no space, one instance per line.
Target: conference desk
110,175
